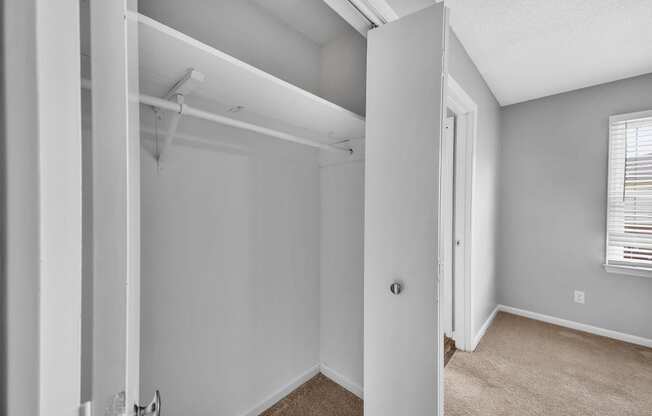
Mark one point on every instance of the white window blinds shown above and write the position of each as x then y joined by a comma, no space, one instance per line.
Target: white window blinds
629,196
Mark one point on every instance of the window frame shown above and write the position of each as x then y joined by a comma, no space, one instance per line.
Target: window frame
632,270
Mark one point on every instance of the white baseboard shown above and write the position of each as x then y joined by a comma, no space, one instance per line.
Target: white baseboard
342,381
483,330
289,388
298,381
632,339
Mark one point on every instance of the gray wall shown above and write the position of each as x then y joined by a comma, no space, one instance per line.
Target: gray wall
485,192
553,193
87,212
87,252
20,169
343,71
3,244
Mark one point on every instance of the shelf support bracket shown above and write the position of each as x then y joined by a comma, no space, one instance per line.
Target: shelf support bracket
177,93
169,136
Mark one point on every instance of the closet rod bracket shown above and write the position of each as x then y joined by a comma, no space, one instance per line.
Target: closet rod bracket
188,83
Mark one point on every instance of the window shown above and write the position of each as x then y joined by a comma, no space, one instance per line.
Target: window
629,196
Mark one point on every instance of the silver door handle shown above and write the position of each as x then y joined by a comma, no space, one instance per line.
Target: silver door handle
153,408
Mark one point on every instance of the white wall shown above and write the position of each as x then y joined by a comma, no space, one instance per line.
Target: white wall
553,209
485,186
341,277
230,270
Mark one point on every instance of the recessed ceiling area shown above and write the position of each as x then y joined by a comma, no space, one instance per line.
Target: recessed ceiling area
312,18
528,49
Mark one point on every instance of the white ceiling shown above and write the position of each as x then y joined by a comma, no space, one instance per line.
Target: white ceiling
313,18
527,49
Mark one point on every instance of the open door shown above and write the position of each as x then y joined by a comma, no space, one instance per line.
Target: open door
116,207
406,75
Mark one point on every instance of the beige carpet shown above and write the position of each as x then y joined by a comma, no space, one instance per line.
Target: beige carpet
525,368
319,396
521,368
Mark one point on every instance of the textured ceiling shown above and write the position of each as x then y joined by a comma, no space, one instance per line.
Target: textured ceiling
527,49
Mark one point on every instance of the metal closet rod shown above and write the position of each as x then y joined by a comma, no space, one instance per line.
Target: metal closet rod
185,109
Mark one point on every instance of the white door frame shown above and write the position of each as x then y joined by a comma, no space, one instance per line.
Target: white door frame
116,206
466,110
116,146
58,116
446,227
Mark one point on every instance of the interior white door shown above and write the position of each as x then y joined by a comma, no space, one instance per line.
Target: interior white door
402,341
446,249
116,207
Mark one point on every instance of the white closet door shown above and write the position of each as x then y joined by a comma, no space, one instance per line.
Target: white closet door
402,343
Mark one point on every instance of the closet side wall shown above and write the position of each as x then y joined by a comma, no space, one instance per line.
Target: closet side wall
343,81
342,279
230,270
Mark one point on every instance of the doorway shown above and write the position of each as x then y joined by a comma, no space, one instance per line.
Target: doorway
458,142
456,197
447,259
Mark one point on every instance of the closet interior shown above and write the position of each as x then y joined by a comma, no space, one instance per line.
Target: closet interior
251,197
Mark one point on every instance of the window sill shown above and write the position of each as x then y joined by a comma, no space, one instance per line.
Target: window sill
629,270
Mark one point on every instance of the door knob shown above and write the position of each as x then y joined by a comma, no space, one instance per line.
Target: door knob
396,288
153,408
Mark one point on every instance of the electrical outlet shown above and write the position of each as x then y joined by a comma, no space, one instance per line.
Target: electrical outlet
579,297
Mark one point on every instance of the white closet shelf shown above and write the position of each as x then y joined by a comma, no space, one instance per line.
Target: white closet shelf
263,99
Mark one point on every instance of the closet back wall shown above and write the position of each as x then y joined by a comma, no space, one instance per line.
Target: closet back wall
230,270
